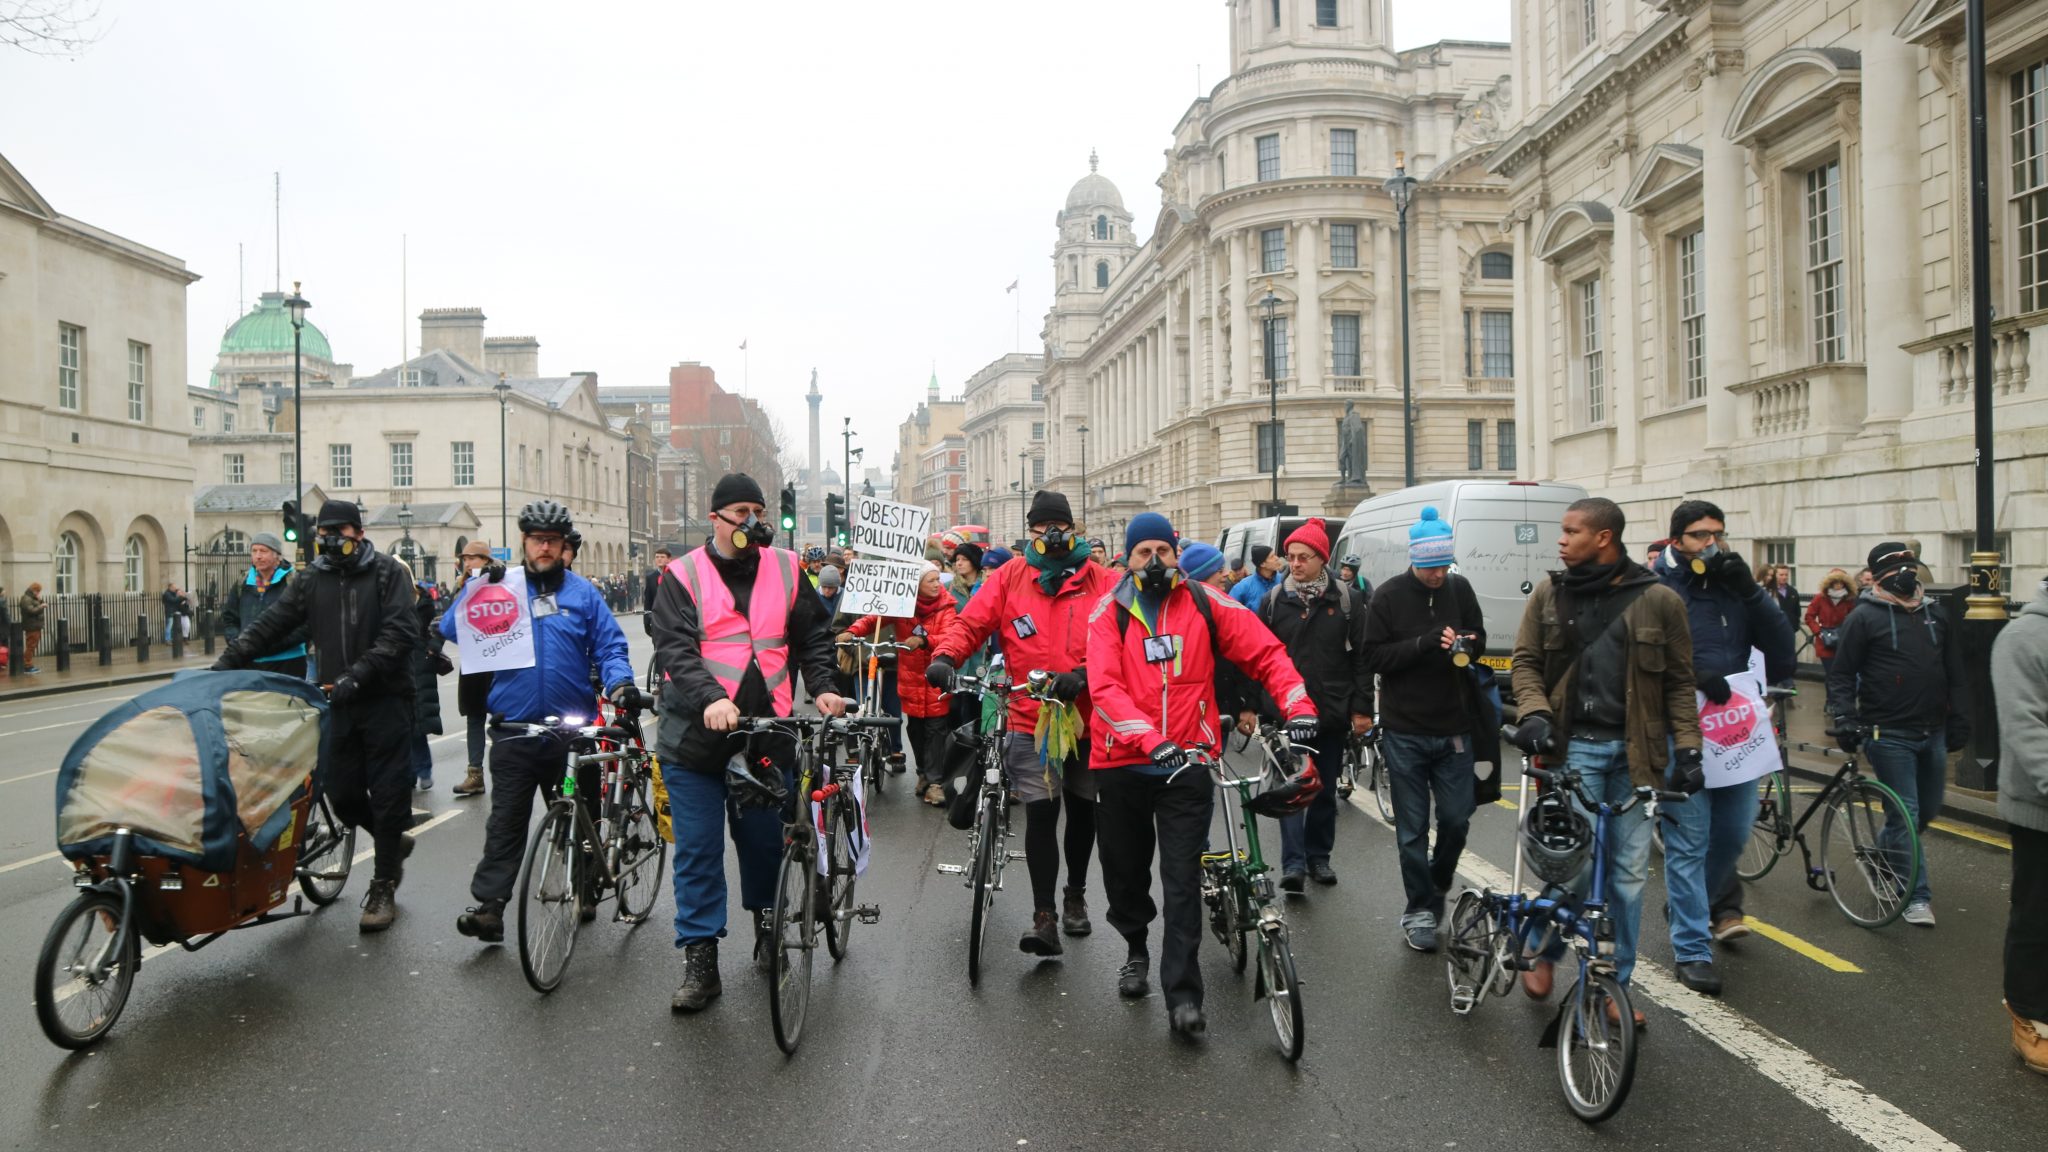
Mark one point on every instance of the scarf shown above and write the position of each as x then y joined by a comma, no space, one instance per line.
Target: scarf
1313,590
1054,570
1913,605
1586,578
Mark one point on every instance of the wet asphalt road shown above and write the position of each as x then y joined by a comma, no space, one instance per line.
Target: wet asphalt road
307,1035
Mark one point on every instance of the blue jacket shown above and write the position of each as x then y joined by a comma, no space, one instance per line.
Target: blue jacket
1726,626
581,633
1251,591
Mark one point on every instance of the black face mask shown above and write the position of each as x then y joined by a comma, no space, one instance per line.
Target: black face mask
753,532
1156,579
336,547
1904,583
1056,543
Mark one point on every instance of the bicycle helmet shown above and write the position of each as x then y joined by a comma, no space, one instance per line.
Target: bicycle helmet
573,541
753,781
1556,838
1283,795
546,515
1350,561
813,554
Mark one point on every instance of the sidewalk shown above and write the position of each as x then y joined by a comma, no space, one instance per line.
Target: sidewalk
1812,753
86,672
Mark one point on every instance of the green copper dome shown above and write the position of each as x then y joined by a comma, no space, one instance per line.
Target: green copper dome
269,329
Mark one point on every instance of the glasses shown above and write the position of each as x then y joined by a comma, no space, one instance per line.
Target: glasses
1705,537
545,541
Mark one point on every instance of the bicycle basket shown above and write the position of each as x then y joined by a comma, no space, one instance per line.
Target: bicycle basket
1556,838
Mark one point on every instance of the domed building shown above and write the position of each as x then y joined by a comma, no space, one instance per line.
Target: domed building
257,349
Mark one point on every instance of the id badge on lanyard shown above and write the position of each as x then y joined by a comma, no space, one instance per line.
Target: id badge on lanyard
1161,649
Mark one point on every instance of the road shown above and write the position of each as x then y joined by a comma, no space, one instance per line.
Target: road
307,1035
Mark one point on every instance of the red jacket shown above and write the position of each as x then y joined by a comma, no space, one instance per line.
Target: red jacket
1823,613
1140,703
1033,630
937,619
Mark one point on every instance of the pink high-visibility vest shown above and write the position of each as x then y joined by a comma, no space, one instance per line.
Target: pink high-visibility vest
730,641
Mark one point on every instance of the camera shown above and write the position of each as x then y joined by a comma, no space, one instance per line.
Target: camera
1461,649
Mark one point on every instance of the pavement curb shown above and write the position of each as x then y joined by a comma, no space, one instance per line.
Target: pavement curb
89,685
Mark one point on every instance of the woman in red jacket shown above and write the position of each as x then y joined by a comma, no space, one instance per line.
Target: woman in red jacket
1826,611
1152,679
924,708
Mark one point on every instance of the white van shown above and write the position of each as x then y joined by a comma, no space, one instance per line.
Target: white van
1239,539
1504,532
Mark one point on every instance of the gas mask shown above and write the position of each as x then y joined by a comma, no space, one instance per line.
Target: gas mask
753,532
1903,583
1156,579
335,546
1056,543
1706,556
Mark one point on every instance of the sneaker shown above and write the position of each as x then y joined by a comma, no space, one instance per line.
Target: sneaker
485,922
1187,1019
1321,872
1044,937
380,907
1733,926
1074,912
2030,1041
1920,912
1130,980
1294,881
423,784
1420,930
472,782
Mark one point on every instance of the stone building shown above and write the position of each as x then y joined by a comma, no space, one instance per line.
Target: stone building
1745,272
1004,430
933,422
726,433
1275,188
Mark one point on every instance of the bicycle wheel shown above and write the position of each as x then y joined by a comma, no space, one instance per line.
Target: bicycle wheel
1470,954
1382,785
1282,989
642,852
985,849
549,893
839,915
1870,880
1770,836
789,966
85,971
1347,775
1596,1047
326,854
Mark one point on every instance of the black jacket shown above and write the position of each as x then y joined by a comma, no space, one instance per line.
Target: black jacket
359,614
426,691
1421,692
1902,668
244,605
1323,641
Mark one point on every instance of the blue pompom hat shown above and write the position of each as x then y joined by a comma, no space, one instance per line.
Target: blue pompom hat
1151,526
1429,541
1199,561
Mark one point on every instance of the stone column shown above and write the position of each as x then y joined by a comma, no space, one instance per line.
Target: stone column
1450,271
1310,363
1169,383
1532,356
1890,155
1625,347
1722,164
1240,321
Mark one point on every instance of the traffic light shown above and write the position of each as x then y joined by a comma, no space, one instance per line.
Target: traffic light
789,509
835,518
291,521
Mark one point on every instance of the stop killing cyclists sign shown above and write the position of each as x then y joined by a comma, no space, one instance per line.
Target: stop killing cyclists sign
493,625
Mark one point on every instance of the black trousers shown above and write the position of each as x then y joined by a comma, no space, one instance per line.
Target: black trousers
927,740
369,772
521,765
2026,934
1134,813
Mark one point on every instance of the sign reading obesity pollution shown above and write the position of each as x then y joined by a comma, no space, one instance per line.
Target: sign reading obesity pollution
886,528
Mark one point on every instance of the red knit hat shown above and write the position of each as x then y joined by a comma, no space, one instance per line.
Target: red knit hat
1313,535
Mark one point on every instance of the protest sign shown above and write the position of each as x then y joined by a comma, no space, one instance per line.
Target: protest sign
882,588
1740,743
886,528
493,625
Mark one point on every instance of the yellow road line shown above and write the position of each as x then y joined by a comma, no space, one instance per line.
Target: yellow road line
1969,833
1813,952
1506,803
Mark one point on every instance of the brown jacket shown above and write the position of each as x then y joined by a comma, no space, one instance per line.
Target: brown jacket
1660,700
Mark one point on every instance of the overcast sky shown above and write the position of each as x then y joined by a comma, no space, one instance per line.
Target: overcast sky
844,186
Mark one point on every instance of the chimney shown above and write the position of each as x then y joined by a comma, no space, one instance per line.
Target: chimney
456,330
515,356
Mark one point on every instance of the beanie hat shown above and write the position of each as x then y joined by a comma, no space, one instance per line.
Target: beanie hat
1889,557
736,488
1429,541
1199,561
828,577
1149,526
1049,507
1313,535
995,558
970,550
1260,554
268,541
338,512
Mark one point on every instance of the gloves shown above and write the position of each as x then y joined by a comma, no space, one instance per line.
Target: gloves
1689,772
619,693
939,674
494,571
344,690
1731,571
1534,733
1716,688
1068,686
1169,756
1302,730
1958,733
226,663
1848,737
441,663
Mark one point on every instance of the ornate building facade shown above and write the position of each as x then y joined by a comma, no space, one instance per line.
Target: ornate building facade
1005,436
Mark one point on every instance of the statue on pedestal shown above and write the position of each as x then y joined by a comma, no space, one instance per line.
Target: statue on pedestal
1351,458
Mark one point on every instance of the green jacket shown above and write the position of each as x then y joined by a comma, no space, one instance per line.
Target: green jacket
31,606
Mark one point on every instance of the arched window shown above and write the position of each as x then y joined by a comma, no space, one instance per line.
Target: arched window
1496,266
1102,273
131,566
1102,227
68,548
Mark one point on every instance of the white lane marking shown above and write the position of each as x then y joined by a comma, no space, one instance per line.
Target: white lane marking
29,861
29,776
1852,1107
50,727
70,705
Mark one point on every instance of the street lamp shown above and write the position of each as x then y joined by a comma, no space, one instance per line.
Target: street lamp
1272,395
295,305
1022,513
405,546
1083,430
1401,187
504,392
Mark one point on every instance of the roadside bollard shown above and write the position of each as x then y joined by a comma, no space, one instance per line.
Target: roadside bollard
103,639
63,644
177,638
16,659
142,638
206,630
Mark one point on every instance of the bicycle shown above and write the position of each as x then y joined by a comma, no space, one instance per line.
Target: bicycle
1770,834
867,701
1237,886
1363,761
1859,816
621,845
1595,1028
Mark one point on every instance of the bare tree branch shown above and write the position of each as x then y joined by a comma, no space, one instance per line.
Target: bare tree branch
49,27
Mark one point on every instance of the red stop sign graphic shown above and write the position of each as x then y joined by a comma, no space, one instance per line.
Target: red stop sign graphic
492,610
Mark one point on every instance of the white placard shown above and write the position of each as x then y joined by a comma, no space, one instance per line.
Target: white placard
886,528
1740,744
882,588
494,624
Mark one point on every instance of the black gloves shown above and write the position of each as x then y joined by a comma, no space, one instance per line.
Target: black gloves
1731,571
494,571
441,663
1716,688
1302,730
1848,737
1689,771
1068,686
1169,757
1958,733
344,690
226,663
1534,733
620,693
939,674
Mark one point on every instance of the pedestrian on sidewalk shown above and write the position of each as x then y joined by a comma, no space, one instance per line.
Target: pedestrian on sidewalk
1898,693
2019,677
473,689
170,600
32,610
1825,612
260,590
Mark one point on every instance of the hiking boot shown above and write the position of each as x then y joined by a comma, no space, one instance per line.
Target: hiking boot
1733,926
1537,980
1321,872
1920,912
1187,1019
700,978
380,907
1044,937
1074,912
472,782
764,941
485,922
1293,881
1130,981
2030,1041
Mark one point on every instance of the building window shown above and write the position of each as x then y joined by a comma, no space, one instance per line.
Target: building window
1276,348
1343,245
2029,113
1038,429
67,564
1824,262
138,381
1692,319
1592,367
227,420
1587,22
1269,157
1785,552
1272,249
1475,445
1102,273
1504,444
1343,152
1102,227
1272,446
1326,13
1496,350
409,378
1344,343
131,566
1276,13
1038,469
232,541
1038,391
401,465
70,364
199,416
341,468
1496,266
234,472
288,468
464,454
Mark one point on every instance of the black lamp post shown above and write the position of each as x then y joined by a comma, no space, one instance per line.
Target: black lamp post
1023,485
405,545
295,305
1401,188
1272,302
504,392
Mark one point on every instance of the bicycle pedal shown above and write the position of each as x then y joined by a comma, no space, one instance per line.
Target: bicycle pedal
869,913
1016,856
952,869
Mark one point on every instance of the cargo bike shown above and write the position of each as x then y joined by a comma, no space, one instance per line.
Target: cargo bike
188,812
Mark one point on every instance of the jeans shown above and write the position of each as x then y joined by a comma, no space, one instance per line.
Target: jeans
1137,813
477,724
422,759
1310,835
1603,764
2026,933
1915,765
1419,768
1703,838
698,809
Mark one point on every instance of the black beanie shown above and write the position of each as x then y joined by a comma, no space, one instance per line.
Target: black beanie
737,488
972,551
1260,554
338,512
1049,507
